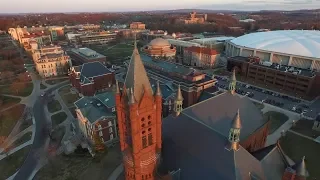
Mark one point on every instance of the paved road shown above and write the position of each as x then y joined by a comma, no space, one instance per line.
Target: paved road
314,107
38,146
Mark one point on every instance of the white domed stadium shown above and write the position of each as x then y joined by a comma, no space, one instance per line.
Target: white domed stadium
297,48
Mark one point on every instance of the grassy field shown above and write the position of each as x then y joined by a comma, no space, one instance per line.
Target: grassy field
25,138
54,106
64,90
296,147
258,105
12,163
42,86
305,127
116,54
69,99
81,167
58,118
8,101
26,91
55,81
277,119
9,118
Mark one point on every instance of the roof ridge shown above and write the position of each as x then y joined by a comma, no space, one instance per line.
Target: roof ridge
203,101
275,147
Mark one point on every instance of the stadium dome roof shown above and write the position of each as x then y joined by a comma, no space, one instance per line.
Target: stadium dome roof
160,42
296,42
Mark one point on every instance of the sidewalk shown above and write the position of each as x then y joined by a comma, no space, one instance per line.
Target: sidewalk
17,149
12,140
116,173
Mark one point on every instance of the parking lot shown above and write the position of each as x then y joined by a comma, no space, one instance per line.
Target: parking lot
309,109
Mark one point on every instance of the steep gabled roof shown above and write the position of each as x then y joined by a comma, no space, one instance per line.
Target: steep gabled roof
136,77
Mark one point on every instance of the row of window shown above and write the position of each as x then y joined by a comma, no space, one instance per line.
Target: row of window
147,140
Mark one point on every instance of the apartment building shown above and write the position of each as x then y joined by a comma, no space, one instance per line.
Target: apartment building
96,38
137,25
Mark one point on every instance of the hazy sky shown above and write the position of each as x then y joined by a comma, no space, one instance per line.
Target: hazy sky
22,6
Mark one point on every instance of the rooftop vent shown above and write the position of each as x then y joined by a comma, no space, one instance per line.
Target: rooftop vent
91,102
106,99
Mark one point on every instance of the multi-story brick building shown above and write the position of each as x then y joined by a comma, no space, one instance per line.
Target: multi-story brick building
200,57
94,116
294,81
85,55
137,25
90,78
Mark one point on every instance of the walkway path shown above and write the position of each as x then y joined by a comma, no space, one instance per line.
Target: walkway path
16,149
116,173
13,139
9,107
302,135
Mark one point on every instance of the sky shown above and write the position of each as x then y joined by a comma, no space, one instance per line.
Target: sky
35,6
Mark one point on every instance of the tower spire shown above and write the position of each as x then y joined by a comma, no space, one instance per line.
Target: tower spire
234,133
117,87
177,107
233,82
131,97
301,169
136,77
158,91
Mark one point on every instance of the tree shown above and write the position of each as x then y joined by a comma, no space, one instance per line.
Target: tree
98,144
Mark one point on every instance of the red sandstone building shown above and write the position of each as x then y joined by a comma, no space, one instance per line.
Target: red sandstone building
221,138
90,78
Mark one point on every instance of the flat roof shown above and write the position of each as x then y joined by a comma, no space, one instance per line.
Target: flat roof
183,43
304,43
87,53
213,39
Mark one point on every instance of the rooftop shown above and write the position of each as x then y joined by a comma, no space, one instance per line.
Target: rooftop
90,70
282,68
202,50
182,43
213,39
92,108
304,43
87,53
107,98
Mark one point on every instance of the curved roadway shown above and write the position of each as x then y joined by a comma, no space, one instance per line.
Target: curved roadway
40,138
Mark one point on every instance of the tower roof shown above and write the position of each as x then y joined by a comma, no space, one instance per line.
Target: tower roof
301,169
236,123
117,87
137,78
233,76
131,97
179,94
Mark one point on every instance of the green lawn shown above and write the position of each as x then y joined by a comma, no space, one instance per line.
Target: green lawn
69,99
58,118
305,127
25,138
296,147
258,105
277,119
9,118
55,81
12,163
81,167
54,106
64,90
26,91
42,86
8,101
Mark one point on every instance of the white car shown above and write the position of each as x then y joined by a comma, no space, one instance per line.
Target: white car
294,108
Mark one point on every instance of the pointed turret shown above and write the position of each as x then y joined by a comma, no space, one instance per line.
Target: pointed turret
233,82
117,87
131,97
301,169
177,107
236,123
234,133
158,91
137,78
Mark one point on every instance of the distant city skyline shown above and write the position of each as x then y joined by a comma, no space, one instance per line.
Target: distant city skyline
42,6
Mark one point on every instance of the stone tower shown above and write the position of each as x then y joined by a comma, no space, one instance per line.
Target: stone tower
296,172
234,133
178,102
139,121
233,82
